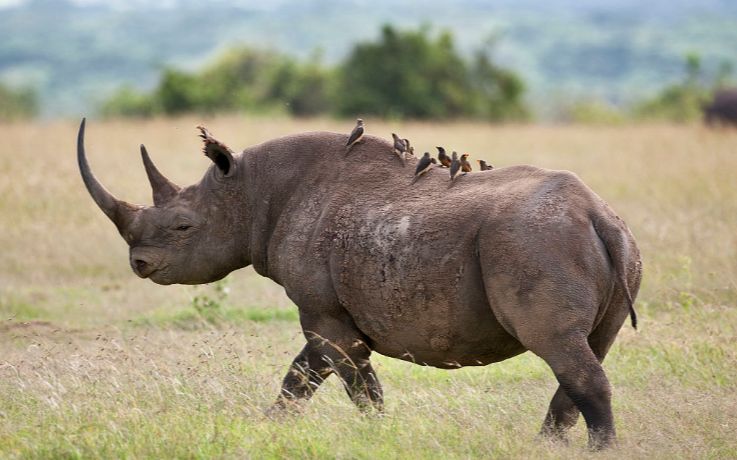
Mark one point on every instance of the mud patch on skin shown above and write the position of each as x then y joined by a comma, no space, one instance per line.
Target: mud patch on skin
440,343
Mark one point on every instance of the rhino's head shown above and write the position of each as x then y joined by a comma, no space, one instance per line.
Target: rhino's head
191,234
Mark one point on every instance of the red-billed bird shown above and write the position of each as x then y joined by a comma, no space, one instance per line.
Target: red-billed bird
465,164
443,157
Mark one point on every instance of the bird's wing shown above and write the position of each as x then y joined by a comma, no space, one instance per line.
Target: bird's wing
355,135
422,165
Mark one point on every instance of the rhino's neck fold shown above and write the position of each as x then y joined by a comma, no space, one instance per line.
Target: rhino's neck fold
271,184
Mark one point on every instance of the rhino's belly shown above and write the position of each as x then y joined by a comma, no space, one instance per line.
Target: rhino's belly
446,336
455,356
417,292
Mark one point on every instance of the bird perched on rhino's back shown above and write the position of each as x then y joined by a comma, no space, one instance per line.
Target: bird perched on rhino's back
484,166
410,150
400,147
443,157
455,166
356,135
550,268
465,164
423,166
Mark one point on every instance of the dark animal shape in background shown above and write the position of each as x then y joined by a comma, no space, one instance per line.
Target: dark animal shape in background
418,272
723,108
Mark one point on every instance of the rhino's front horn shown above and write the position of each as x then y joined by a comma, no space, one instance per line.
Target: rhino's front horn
118,211
162,187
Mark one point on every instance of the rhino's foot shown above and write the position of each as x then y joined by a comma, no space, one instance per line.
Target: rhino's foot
335,345
602,439
553,434
584,382
284,408
371,408
562,415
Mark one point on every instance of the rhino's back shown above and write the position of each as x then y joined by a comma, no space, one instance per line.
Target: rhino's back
403,258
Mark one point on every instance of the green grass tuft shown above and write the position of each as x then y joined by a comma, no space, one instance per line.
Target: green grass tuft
190,319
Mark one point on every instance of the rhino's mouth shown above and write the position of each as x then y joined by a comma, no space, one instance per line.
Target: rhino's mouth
147,274
158,276
155,274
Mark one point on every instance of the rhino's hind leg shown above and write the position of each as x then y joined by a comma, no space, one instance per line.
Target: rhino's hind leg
584,382
563,413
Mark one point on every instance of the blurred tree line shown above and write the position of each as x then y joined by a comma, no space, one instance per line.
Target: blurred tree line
17,104
405,74
683,101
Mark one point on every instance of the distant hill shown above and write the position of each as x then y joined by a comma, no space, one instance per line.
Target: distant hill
77,53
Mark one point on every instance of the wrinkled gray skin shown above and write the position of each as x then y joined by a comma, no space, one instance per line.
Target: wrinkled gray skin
472,273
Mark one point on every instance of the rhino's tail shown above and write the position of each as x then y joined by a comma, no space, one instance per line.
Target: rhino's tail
617,248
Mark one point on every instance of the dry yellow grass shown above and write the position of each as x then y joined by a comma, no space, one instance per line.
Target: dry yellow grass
94,363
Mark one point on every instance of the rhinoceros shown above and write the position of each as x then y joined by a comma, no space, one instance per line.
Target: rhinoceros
439,273
722,109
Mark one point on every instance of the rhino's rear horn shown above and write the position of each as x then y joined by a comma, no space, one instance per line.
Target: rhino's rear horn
163,188
120,212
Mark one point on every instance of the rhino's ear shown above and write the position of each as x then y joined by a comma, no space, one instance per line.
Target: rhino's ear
219,153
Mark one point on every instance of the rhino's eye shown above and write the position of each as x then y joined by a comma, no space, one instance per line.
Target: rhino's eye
183,227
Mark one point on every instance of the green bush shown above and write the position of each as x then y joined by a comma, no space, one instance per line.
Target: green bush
499,92
17,104
593,111
129,102
405,74
411,74
240,80
680,102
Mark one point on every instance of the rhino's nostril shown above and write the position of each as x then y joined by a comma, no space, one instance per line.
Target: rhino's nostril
140,265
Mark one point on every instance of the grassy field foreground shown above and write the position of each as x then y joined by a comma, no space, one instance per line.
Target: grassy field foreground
95,362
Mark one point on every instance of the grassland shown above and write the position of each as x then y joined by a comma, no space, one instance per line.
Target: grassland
95,362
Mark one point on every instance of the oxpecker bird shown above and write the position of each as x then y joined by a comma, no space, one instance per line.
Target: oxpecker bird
455,166
399,147
410,149
356,134
465,165
443,157
484,166
423,166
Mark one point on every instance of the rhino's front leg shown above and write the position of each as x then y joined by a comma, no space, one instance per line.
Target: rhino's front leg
359,378
304,376
334,345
